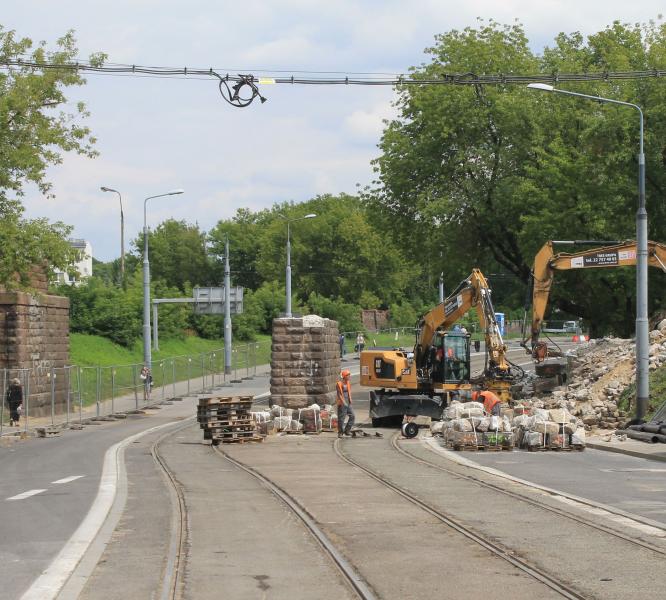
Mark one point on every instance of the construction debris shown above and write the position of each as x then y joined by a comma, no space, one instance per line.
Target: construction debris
467,427
227,419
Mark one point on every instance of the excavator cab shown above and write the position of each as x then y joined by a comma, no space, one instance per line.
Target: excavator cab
451,362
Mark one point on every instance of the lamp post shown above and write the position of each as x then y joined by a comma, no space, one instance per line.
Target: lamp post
642,347
288,278
147,357
122,233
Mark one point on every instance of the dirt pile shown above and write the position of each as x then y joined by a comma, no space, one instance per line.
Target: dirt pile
601,370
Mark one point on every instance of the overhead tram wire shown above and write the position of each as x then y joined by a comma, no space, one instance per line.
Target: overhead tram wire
240,90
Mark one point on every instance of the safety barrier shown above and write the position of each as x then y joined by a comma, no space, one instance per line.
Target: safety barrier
60,396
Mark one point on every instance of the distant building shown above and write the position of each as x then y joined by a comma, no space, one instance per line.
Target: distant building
84,266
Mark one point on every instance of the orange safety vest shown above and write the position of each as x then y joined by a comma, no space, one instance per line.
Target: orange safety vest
340,393
489,401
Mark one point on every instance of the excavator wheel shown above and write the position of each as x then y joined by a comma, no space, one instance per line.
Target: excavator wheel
410,430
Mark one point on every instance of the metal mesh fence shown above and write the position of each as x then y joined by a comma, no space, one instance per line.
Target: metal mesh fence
56,396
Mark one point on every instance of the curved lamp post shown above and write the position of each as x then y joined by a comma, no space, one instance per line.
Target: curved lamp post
122,233
147,357
288,278
642,342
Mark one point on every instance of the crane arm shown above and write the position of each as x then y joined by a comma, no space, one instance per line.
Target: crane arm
473,291
546,262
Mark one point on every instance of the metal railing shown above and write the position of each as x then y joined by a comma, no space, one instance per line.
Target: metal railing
71,394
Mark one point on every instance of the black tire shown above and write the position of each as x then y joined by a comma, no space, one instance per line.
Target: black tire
410,430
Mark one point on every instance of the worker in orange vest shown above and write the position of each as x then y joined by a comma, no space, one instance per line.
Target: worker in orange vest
491,403
343,400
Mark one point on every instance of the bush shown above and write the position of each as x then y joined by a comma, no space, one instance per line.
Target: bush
347,315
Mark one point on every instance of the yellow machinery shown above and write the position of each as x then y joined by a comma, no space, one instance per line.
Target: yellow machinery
422,382
546,262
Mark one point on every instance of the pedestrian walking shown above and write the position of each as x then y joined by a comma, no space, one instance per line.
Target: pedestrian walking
360,343
15,401
147,378
344,403
341,341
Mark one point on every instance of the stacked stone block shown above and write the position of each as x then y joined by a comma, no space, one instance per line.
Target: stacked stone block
305,361
34,334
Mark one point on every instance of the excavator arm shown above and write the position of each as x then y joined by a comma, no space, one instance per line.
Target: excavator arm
473,292
546,262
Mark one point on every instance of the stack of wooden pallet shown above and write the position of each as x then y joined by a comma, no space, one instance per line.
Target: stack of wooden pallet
227,419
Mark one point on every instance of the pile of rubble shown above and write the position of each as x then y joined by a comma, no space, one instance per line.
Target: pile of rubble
601,370
466,426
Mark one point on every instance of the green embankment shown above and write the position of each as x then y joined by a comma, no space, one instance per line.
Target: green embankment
93,350
108,370
657,380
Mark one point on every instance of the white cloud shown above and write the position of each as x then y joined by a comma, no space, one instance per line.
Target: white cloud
158,134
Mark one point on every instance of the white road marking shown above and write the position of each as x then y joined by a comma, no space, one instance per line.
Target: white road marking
50,582
633,470
26,494
67,479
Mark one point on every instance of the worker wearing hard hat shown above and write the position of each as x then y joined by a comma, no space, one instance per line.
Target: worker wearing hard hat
491,403
343,400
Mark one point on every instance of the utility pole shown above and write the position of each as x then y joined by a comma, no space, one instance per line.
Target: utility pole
227,310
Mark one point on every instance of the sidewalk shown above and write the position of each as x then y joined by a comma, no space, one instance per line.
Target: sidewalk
629,447
125,404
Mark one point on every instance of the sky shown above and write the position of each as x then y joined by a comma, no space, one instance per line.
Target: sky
155,135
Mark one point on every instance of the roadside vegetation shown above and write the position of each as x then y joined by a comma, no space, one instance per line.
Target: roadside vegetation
526,167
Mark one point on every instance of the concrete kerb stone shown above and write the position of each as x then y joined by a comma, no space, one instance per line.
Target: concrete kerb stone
629,452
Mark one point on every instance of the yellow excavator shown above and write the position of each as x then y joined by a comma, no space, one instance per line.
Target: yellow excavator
425,380
546,263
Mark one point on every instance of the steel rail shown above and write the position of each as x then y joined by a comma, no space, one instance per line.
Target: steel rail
530,501
172,579
497,550
346,569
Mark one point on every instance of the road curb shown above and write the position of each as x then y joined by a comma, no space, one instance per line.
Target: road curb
626,451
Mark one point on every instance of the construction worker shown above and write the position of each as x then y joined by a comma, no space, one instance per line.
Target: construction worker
491,403
344,402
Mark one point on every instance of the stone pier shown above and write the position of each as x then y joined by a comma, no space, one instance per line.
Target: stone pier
305,361
34,339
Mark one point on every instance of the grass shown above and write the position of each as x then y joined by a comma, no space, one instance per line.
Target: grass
657,382
110,370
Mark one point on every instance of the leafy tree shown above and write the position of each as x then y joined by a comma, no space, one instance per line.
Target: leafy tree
484,175
33,135
178,255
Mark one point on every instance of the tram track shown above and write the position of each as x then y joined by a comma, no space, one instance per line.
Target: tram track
174,571
526,567
347,570
522,498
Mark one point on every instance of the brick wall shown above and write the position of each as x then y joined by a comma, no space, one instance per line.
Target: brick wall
305,361
34,334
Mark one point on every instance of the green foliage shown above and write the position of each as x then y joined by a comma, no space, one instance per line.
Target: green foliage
404,314
33,135
177,253
347,315
483,176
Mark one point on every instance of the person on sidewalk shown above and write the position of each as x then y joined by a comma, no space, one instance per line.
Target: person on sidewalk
15,401
491,403
344,402
147,378
360,343
341,341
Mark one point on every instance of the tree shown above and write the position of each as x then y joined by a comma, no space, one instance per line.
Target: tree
178,255
485,175
32,137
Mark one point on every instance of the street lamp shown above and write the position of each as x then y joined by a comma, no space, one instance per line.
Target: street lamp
122,233
642,348
288,283
147,358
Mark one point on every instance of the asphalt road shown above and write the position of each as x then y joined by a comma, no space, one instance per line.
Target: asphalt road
47,486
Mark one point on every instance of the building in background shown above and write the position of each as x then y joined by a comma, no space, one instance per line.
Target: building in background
84,266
